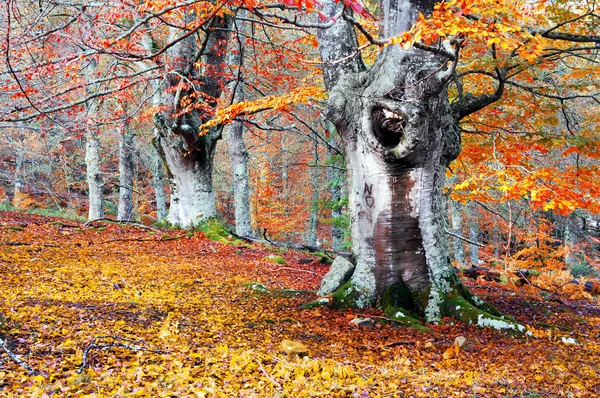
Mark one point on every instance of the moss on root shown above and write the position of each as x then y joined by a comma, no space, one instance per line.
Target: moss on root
401,317
399,307
347,296
461,309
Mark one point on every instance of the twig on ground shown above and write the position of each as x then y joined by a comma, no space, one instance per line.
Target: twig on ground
131,286
272,380
120,343
16,358
161,239
299,270
124,222
27,244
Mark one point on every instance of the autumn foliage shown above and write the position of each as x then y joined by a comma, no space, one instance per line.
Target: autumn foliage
151,314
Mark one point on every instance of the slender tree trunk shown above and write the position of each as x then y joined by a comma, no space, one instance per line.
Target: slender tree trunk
126,164
241,190
570,242
158,182
94,175
458,245
311,234
19,170
237,148
473,235
92,155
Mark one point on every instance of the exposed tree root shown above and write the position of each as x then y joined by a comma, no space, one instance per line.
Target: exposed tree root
460,304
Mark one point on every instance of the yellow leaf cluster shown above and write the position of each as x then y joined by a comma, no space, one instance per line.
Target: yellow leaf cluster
300,95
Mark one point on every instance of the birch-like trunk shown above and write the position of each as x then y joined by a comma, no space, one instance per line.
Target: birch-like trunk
457,219
311,233
237,148
126,163
92,154
19,171
473,236
94,178
241,188
158,182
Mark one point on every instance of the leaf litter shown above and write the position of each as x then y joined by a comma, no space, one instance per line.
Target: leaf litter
117,311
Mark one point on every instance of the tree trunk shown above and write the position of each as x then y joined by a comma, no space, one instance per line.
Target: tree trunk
126,162
400,133
19,171
94,175
158,182
237,149
241,191
311,234
458,245
473,235
188,154
92,154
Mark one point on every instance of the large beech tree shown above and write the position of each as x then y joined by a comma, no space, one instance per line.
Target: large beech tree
400,126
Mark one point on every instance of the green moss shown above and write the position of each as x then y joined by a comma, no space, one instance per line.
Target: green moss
258,287
214,229
458,307
17,229
398,296
276,259
402,317
476,301
347,296
322,302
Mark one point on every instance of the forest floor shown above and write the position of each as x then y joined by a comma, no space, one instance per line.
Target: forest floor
115,311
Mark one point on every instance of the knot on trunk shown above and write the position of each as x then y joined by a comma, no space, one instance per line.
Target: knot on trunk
388,127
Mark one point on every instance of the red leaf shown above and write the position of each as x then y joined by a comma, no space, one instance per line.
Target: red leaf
358,8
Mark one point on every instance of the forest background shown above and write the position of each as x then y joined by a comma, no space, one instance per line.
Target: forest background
521,194
173,113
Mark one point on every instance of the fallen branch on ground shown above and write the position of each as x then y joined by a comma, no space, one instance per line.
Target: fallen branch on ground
27,244
122,222
293,246
297,269
132,347
161,239
16,358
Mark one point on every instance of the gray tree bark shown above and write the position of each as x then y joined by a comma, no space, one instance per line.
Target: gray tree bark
400,133
473,235
311,233
92,157
237,148
187,154
94,175
126,163
456,218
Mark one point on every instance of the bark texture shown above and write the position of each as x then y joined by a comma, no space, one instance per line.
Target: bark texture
94,175
237,148
400,133
187,154
399,136
126,163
